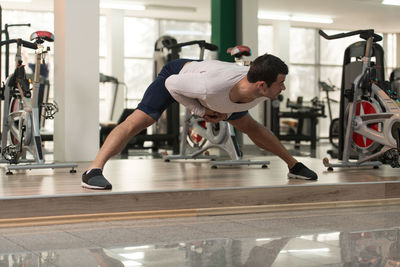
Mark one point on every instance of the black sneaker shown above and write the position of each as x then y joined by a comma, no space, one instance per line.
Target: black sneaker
94,179
299,171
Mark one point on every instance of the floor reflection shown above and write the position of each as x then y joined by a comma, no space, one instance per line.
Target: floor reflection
367,248
44,259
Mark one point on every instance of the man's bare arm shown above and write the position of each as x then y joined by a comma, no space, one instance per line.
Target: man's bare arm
263,138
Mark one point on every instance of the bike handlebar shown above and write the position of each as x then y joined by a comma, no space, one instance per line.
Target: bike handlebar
18,25
364,34
20,42
201,43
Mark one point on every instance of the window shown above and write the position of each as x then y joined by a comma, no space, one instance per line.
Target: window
332,51
302,67
138,76
184,31
265,39
302,46
105,89
140,36
139,49
390,53
43,21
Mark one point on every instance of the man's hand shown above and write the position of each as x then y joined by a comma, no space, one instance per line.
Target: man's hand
214,116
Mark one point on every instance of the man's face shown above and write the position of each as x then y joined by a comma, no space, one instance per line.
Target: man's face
276,87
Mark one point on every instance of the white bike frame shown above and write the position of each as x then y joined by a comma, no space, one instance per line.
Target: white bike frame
24,124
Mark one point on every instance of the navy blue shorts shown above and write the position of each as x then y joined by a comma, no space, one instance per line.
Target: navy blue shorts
156,99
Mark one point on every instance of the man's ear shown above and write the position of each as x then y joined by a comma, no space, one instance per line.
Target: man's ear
260,84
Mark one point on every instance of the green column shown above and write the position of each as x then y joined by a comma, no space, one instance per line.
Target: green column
223,27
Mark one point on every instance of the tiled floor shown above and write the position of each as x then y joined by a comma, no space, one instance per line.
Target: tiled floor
335,237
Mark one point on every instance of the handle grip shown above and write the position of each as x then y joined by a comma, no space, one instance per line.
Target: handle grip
201,43
364,34
20,42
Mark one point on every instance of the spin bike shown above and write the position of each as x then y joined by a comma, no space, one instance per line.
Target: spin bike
373,115
198,136
21,122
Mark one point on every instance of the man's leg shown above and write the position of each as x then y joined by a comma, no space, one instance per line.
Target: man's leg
155,100
120,136
116,141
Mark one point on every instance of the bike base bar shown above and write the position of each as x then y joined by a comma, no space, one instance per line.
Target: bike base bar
354,164
174,157
239,162
41,166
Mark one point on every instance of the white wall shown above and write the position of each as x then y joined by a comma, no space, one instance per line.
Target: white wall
76,79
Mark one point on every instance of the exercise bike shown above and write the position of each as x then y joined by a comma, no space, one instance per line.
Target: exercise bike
21,119
372,127
198,136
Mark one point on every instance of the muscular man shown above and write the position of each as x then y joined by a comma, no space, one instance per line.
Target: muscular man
213,90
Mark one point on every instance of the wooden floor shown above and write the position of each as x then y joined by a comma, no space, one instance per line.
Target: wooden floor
190,187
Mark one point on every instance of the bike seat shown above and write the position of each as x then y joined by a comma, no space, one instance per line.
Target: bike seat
42,35
395,75
239,51
326,87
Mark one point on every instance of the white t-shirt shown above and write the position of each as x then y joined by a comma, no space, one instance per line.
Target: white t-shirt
208,84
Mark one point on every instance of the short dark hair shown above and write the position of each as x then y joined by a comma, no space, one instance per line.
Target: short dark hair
266,68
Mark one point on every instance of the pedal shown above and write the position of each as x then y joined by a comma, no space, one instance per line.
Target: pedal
391,157
327,164
11,154
49,110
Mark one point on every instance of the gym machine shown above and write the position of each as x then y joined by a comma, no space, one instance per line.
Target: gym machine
352,66
21,121
44,83
302,113
370,113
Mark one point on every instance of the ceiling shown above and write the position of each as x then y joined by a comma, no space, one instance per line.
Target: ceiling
346,14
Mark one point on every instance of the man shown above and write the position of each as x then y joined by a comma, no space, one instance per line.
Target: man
213,90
